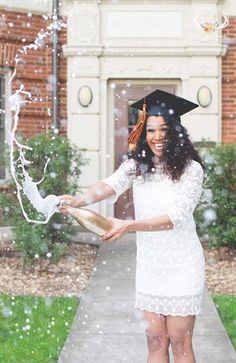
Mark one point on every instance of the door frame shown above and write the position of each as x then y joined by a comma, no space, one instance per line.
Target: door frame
110,167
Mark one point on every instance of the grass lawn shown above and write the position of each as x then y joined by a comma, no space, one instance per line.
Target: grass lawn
34,329
226,306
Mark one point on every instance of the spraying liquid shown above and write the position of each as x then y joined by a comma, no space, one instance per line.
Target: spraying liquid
24,182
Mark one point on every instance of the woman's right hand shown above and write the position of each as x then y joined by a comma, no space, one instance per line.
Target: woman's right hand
68,200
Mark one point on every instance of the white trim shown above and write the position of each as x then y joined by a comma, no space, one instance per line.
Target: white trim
106,141
35,7
140,2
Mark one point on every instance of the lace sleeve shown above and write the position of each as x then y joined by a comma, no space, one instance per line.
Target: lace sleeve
187,194
121,179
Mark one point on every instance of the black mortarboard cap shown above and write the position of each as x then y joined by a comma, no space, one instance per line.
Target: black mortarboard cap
161,103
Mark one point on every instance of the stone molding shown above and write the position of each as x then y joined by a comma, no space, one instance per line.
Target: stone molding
127,2
77,51
162,67
208,50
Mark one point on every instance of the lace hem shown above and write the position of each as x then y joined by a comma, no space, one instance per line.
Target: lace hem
176,305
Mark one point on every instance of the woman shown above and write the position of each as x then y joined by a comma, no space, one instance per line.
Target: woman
166,173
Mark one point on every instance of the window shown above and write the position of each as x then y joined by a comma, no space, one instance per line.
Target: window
2,124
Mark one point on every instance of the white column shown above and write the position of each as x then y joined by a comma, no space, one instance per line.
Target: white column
82,51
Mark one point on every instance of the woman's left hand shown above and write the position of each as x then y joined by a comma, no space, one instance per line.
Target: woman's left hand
119,228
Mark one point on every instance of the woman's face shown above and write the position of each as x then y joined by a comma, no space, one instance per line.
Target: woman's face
156,131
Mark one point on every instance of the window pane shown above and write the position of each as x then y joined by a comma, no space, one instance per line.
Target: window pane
133,115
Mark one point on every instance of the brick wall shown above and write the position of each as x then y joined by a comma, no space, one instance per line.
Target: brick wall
229,84
34,69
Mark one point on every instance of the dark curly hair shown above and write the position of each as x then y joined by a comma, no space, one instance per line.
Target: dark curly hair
177,153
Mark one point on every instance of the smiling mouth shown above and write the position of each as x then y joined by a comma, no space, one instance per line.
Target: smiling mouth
158,146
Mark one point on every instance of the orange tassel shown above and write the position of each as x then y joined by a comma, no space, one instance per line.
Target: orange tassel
137,130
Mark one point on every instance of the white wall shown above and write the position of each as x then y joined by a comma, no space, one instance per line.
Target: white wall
33,6
229,7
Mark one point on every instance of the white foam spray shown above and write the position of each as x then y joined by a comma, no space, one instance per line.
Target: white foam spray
24,182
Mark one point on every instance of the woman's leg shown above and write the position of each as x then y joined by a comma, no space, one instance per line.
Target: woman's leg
157,339
180,331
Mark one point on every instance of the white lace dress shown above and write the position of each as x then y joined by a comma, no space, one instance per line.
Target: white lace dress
170,264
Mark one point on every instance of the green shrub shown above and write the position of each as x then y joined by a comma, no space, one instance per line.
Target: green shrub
61,177
216,213
7,206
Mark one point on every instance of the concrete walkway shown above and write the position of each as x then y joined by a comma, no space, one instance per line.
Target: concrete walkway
108,329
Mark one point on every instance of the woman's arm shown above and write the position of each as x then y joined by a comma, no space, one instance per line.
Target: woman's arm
151,224
121,226
95,194
115,184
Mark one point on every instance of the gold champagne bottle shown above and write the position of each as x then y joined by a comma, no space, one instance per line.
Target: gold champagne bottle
90,220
